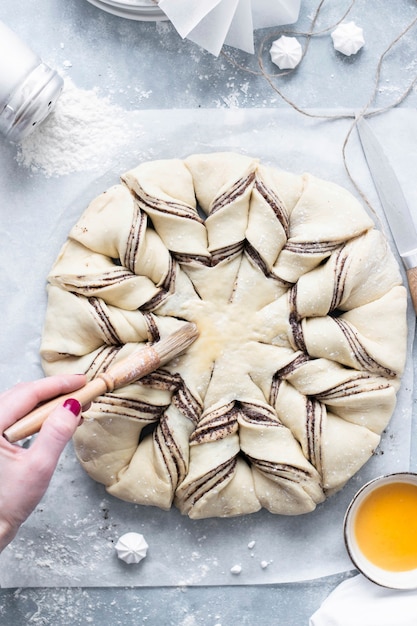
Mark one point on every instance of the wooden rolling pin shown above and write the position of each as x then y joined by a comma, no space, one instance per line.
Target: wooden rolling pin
141,362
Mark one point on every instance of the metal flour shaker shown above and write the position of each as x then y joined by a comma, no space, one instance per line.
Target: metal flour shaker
28,87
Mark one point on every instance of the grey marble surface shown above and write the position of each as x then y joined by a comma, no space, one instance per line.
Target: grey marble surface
144,65
147,65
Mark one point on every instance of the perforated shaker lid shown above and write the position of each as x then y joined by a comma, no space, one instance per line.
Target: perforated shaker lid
30,103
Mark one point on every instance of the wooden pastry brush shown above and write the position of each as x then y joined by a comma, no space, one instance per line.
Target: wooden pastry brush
141,362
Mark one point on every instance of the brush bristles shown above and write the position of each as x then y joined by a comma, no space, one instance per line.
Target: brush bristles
176,343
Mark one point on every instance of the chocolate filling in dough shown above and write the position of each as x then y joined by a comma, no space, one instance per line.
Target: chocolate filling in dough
286,392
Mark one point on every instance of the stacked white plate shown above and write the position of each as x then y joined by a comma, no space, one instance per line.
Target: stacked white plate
142,10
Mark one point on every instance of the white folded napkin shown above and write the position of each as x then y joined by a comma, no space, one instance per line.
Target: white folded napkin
212,23
359,602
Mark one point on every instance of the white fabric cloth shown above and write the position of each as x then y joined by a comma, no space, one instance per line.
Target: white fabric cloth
212,23
359,602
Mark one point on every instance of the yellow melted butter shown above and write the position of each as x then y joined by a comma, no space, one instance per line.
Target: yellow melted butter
385,527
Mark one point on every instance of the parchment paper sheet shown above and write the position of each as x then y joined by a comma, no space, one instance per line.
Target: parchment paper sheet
69,540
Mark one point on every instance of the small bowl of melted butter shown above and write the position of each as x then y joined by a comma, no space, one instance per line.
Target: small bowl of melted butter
380,530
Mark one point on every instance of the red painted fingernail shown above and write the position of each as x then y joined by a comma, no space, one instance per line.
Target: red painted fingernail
72,405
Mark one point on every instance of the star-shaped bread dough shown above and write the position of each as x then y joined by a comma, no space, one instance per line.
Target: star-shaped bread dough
285,394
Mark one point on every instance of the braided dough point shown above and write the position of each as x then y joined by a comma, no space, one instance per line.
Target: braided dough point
293,378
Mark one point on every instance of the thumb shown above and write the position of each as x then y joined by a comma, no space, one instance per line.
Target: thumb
55,433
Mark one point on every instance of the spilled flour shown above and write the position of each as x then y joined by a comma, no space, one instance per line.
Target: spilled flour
83,132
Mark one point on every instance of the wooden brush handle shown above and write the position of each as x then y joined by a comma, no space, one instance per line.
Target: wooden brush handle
138,364
133,367
32,422
412,283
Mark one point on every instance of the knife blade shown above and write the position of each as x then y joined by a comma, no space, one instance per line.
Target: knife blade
393,202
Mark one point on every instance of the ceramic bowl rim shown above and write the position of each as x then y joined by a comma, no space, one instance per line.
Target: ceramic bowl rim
384,578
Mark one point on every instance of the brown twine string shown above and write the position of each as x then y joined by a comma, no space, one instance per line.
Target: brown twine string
364,111
272,35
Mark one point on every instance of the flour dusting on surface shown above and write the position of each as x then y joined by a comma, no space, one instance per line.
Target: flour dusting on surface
83,132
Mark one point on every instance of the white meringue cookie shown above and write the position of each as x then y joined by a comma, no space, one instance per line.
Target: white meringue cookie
286,52
348,38
131,547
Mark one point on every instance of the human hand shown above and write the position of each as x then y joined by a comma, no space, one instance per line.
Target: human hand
26,473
